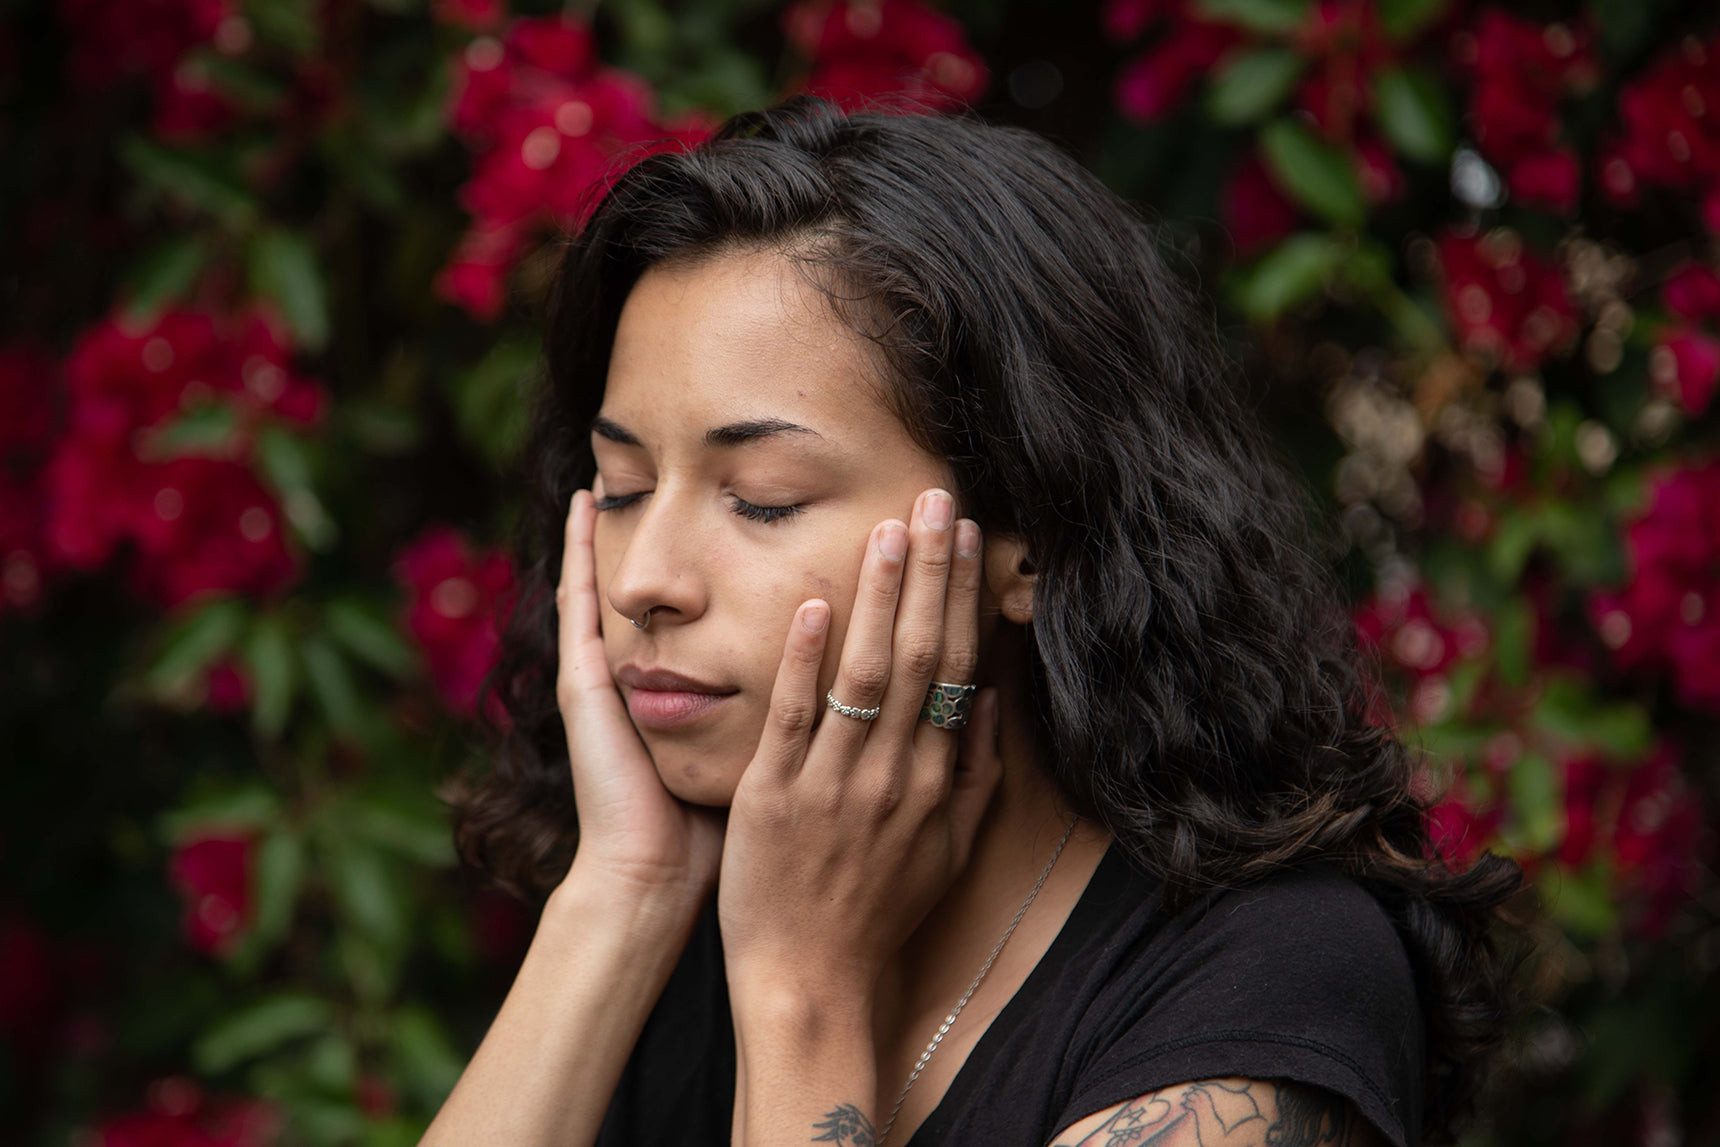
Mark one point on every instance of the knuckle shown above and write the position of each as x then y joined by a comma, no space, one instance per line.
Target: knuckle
868,676
961,663
795,715
884,796
934,559
932,788
920,655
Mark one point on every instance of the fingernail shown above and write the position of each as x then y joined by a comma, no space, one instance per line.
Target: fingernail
938,510
894,543
815,616
967,538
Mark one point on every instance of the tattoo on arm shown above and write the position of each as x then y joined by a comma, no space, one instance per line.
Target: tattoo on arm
846,1125
1232,1113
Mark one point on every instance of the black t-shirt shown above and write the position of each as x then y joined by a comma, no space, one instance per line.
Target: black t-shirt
1299,976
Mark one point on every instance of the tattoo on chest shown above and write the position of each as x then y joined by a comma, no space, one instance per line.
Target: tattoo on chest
847,1125
1228,1113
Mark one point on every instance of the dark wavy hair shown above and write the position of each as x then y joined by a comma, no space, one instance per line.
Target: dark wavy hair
1194,668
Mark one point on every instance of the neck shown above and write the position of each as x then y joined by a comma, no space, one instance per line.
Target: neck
1016,840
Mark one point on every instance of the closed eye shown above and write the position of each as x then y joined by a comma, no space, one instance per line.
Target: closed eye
745,509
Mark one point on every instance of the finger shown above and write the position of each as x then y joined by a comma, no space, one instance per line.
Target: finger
978,769
579,629
794,699
865,667
960,656
917,644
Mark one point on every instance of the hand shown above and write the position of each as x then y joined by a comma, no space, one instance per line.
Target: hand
630,827
840,842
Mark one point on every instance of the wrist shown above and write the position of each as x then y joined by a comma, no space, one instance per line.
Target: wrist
589,897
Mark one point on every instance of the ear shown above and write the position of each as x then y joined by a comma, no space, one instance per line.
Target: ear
1009,576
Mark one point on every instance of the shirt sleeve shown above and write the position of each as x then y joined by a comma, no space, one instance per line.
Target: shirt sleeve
1301,977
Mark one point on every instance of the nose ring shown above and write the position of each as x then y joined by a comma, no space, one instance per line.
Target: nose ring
642,624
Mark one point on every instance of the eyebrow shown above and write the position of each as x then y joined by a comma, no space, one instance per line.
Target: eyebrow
731,434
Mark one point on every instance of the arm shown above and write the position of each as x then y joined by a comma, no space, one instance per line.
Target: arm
839,843
615,927
1226,1113
546,1070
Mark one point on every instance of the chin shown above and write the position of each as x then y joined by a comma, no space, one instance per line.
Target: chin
699,782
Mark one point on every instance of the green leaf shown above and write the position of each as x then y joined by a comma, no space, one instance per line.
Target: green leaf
1415,114
1256,15
262,1027
1252,83
367,633
1513,641
291,24
1319,176
207,431
331,683
425,1058
274,675
1569,709
491,400
1403,19
1582,901
1293,272
1515,538
192,644
283,268
164,274
417,830
249,807
280,875
288,464
252,89
367,892
1535,801
199,179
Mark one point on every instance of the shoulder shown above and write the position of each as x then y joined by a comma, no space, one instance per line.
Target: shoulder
1234,1112
1300,976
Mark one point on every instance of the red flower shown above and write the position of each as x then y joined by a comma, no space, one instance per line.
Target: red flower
180,1115
1669,137
1156,81
213,876
112,39
1503,302
472,15
455,597
1685,365
550,130
1458,830
1692,292
200,524
1668,615
1419,642
1254,211
29,380
24,560
1549,179
863,51
1521,70
187,109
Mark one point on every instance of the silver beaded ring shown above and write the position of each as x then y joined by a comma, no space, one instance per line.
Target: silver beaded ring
849,710
948,706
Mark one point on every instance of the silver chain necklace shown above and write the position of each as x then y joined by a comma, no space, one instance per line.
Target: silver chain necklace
944,1028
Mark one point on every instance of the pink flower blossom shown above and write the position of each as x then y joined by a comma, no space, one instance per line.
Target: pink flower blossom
198,524
862,52
112,39
1255,212
1156,82
1550,179
179,1114
1504,302
1667,133
471,15
550,130
1667,616
455,598
1417,640
1521,69
1692,292
213,877
1459,830
1685,365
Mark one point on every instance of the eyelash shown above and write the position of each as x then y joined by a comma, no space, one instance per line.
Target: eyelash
765,514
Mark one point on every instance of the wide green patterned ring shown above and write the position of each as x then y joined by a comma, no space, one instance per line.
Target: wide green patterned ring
948,706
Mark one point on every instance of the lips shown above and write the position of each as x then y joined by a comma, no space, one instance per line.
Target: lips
664,699
665,681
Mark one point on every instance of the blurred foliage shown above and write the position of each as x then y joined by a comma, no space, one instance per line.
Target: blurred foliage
272,271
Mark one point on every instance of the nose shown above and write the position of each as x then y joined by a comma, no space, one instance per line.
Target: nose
658,569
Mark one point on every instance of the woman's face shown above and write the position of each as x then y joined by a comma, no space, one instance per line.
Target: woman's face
733,394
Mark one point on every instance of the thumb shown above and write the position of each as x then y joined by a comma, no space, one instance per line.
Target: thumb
978,769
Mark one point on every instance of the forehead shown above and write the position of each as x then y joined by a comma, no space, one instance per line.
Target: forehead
736,337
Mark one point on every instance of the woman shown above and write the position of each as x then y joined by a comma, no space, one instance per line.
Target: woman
962,742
